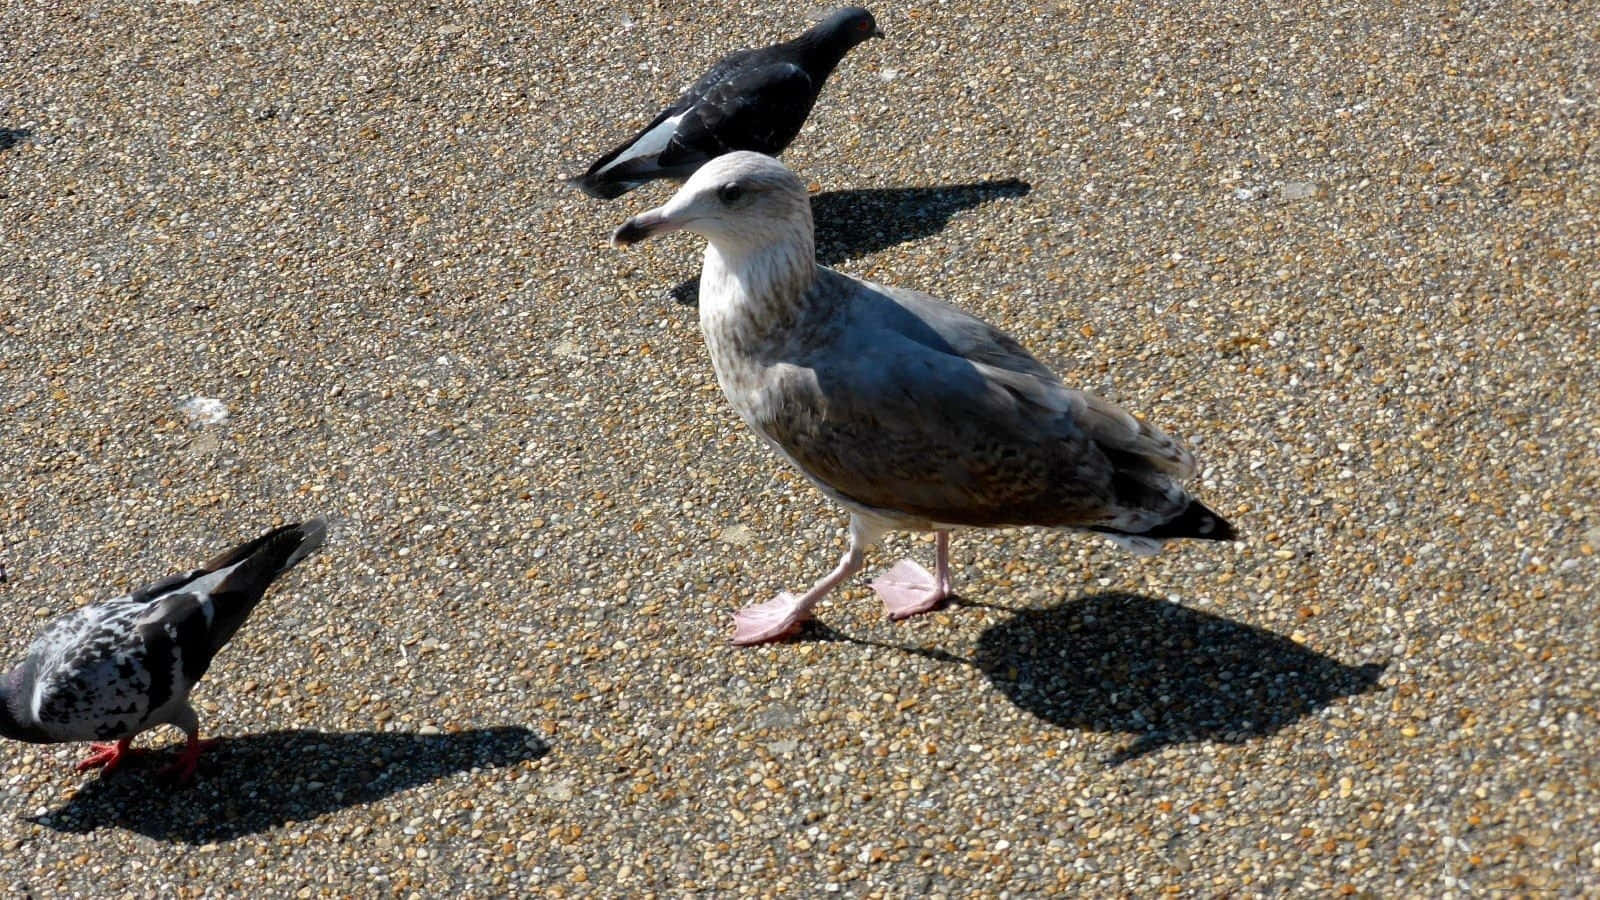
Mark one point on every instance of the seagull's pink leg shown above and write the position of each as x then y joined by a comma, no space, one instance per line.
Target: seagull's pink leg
182,771
908,589
108,755
777,617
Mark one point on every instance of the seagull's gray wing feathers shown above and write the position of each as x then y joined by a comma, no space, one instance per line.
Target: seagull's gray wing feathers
913,405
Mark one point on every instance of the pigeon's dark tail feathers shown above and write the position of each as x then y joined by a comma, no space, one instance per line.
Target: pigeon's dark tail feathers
256,565
275,552
601,188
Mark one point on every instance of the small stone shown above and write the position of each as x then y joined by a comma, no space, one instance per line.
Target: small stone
737,535
205,410
1297,190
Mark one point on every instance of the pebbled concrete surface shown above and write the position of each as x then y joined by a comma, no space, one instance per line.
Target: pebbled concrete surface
1349,251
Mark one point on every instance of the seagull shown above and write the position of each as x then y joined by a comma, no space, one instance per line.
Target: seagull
750,100
110,670
908,412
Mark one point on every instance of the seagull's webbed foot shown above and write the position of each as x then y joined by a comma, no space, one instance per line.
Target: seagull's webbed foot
770,621
908,589
785,613
107,755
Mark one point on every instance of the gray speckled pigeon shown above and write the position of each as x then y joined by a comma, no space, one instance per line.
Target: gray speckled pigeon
110,670
750,100
910,413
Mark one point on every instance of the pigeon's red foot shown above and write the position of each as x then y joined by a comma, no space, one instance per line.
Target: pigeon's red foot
182,771
108,755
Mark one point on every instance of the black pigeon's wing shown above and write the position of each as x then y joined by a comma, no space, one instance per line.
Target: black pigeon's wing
725,68
758,109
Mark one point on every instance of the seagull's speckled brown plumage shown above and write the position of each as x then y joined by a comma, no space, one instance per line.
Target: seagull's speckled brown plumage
910,413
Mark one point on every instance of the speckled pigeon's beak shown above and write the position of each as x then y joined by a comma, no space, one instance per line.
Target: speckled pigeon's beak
644,225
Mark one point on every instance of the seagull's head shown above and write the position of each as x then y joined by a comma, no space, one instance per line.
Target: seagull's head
850,26
736,201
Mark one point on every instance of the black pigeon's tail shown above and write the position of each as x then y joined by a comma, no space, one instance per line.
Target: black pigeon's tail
601,188
1196,521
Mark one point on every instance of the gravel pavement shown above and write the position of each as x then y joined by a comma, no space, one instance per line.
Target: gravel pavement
1349,250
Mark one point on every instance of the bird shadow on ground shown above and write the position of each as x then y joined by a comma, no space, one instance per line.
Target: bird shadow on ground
1162,672
257,782
10,137
851,224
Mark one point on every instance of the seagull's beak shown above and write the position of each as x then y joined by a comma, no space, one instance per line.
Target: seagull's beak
644,225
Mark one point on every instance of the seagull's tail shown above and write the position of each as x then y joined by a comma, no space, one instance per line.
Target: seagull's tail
1197,521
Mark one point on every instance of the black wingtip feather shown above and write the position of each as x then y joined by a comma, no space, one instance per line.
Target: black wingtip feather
259,562
279,548
600,190
1197,521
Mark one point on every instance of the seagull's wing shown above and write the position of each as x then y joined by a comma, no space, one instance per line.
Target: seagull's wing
941,419
1108,425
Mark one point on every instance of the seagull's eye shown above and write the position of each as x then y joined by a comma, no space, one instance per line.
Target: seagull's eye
730,193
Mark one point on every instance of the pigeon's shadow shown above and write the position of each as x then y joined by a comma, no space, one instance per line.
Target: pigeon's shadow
852,224
1165,673
253,783
10,137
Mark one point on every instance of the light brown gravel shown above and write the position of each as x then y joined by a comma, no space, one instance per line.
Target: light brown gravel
1349,249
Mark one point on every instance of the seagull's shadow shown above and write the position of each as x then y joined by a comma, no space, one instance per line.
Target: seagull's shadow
852,224
10,137
1164,673
253,783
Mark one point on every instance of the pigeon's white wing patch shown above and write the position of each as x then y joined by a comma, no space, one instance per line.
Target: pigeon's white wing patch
650,143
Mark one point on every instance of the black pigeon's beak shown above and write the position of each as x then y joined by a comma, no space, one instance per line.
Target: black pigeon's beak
877,32
644,225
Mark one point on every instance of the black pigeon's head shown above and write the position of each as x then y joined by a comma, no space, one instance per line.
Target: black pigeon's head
849,26
739,201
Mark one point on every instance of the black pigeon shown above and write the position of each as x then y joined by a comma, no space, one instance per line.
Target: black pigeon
751,100
110,670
